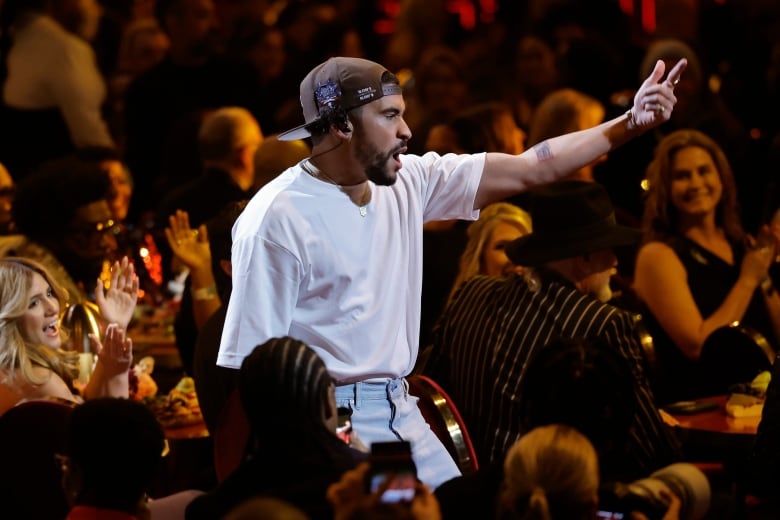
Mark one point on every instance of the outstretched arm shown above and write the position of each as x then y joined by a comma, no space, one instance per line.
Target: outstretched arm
506,175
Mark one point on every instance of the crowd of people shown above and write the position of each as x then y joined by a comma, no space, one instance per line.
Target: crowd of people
335,206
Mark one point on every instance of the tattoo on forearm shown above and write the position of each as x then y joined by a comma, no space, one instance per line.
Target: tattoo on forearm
543,151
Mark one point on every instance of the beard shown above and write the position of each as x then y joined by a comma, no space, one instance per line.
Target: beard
376,163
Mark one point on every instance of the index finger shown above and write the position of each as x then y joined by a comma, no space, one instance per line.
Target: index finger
674,75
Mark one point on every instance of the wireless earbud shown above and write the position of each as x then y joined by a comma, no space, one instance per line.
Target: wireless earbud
342,123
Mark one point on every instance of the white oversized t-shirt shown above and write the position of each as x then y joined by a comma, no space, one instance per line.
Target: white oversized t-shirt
306,264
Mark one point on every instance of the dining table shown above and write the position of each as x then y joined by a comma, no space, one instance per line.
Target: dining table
717,421
719,444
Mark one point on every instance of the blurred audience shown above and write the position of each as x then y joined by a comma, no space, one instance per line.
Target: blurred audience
165,105
133,239
52,90
436,92
65,222
143,45
264,48
487,127
227,141
532,75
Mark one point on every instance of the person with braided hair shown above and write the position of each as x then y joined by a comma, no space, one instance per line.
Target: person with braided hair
289,399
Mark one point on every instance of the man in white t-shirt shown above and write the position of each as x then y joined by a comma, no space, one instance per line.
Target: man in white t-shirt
330,252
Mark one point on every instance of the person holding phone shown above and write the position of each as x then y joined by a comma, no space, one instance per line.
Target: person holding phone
330,251
697,269
353,497
294,453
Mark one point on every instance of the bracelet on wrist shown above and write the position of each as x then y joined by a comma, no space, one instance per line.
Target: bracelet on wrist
766,286
630,123
204,293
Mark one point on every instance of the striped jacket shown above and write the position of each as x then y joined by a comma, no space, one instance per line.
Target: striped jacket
491,329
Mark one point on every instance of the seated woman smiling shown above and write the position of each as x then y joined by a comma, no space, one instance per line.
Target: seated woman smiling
698,270
34,363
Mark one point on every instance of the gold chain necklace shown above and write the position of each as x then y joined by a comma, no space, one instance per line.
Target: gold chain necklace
364,198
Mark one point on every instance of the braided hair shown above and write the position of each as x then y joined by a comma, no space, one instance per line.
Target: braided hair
284,388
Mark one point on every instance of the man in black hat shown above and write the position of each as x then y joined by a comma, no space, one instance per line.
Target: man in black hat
330,251
494,325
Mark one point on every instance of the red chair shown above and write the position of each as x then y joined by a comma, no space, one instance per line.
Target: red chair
443,417
231,437
31,433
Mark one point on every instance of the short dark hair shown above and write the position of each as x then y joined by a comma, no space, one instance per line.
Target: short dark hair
118,445
47,199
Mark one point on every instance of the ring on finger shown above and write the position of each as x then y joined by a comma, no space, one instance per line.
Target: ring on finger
661,109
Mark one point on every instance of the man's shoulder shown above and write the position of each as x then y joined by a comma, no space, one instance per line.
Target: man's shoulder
483,288
272,203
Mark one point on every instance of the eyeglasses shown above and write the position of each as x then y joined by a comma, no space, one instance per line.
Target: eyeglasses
96,228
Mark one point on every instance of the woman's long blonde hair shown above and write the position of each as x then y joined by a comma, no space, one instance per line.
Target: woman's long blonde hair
479,232
18,355
551,473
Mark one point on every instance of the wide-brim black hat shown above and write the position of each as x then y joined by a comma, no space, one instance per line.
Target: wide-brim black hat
570,218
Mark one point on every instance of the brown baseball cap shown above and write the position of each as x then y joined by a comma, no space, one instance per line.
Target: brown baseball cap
340,83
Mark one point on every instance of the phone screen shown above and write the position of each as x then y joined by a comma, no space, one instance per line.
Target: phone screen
609,515
392,465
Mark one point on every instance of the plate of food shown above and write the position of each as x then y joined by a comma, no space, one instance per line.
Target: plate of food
177,409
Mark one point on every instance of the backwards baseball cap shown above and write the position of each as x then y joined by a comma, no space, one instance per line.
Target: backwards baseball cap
340,84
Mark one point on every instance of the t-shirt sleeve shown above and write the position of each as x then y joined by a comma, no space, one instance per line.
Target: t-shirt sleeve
266,278
448,184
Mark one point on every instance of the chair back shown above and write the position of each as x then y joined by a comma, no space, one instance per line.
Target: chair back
443,417
733,354
231,437
31,433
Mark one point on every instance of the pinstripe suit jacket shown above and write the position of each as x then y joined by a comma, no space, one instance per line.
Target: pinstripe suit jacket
486,336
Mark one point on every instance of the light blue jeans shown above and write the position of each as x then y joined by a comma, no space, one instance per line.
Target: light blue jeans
384,411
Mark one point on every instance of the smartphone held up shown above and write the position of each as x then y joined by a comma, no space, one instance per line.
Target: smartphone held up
393,470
